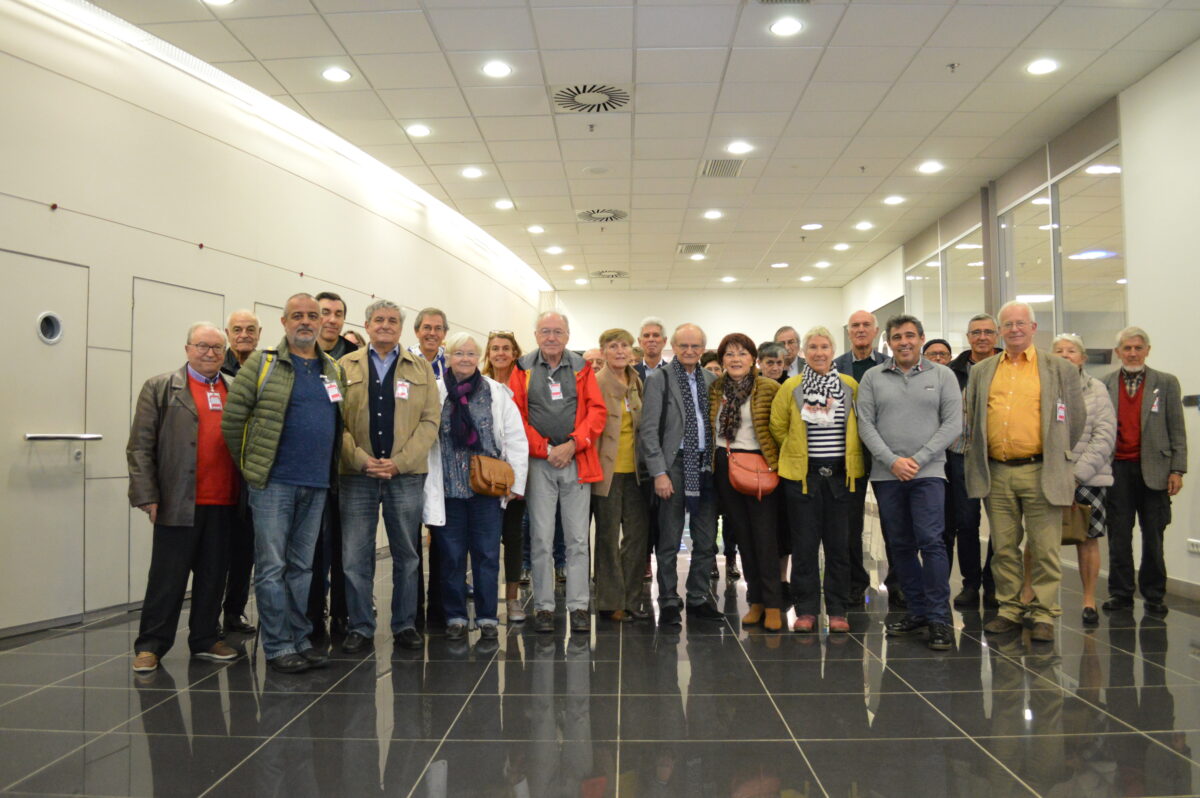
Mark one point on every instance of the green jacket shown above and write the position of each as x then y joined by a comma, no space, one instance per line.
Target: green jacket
256,409
790,431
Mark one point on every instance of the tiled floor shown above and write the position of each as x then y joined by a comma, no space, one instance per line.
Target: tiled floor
631,710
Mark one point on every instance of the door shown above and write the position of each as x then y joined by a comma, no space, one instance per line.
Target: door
41,489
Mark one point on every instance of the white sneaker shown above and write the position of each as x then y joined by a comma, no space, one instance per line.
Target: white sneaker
516,613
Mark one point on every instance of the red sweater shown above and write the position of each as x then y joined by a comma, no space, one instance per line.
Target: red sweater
216,475
1129,424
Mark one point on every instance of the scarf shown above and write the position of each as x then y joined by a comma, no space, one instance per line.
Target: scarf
1133,380
462,428
694,459
733,395
819,396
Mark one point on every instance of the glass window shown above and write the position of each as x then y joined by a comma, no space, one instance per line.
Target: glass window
964,287
923,295
1025,250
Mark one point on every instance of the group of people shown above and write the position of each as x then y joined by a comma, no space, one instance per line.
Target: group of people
281,460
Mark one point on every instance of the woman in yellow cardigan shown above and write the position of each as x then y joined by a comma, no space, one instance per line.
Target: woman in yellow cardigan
820,464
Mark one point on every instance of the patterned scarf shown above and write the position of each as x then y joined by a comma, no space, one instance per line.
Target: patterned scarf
733,395
462,428
819,396
1133,380
694,459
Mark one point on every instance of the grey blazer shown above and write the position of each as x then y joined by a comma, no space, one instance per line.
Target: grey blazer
844,362
1164,436
661,432
1060,383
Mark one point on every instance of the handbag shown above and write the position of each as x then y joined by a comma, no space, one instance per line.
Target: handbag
1076,520
491,476
750,475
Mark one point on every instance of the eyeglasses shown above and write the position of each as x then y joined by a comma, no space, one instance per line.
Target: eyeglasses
545,333
1015,324
204,349
978,333
689,346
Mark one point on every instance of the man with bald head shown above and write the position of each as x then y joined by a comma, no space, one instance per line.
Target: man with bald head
564,415
676,441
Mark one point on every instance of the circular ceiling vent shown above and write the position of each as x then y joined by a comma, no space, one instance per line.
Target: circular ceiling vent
610,274
602,215
591,98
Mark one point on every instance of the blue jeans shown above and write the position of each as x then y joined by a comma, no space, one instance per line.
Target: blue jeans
472,525
401,497
287,519
915,513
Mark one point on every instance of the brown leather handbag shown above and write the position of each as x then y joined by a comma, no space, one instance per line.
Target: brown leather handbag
491,476
749,474
1076,520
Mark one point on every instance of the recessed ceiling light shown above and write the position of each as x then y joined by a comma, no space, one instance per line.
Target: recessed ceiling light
1035,298
728,279
503,205
864,226
336,74
786,26
697,256
780,265
472,172
1103,169
930,167
808,278
968,246
1040,201
811,226
567,267
1042,66
895,199
933,264
822,264
739,147
1122,281
975,263
556,250
417,131
841,247
218,2
497,69
713,214
1092,254
581,281
535,229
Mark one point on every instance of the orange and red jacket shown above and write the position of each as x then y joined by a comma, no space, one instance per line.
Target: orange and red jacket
590,416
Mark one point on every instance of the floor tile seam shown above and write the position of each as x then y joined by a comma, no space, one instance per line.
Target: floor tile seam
42,687
620,678
59,634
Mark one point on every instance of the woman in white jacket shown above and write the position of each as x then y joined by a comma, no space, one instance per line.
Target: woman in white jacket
1093,470
478,417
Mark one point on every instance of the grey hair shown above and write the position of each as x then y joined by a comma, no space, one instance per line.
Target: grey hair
200,325
546,313
1132,332
1071,338
383,304
1015,304
458,339
248,312
423,312
772,349
652,321
818,332
697,327
982,317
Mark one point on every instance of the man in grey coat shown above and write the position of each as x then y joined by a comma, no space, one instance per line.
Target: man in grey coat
1024,413
1148,467
676,439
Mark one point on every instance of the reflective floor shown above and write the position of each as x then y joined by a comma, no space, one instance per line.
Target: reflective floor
712,710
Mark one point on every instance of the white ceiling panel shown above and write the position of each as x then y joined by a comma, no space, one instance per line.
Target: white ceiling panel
395,154
254,74
593,126
901,123
1022,97
1119,67
843,96
820,22
525,150
417,104
588,149
971,65
209,41
793,65
657,126
465,153
330,7
926,96
517,128
571,67
749,126
826,123
1080,27
391,32
407,70
286,37
481,28
300,75
988,26
1169,30
865,64
264,8
691,65
888,26
328,106
526,66
507,100
581,28
365,132
675,97
140,12
669,26
751,98
811,146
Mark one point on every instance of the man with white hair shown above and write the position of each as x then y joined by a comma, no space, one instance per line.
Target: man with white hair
1024,414
652,337
1148,468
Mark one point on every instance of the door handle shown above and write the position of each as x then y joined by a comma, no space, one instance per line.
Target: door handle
63,436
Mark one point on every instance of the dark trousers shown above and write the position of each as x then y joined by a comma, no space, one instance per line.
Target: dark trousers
1130,498
201,550
472,526
241,564
652,507
703,529
962,528
819,518
430,606
916,515
511,535
328,575
751,522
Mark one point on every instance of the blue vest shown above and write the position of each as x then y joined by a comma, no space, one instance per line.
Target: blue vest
383,410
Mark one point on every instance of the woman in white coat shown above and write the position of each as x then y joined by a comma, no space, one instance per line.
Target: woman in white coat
478,417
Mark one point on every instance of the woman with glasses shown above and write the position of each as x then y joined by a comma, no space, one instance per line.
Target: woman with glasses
479,417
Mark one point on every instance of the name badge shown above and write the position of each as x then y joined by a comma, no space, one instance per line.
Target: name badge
1060,413
401,389
331,388
556,393
628,409
1154,407
214,401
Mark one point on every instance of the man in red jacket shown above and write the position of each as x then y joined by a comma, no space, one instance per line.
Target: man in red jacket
564,417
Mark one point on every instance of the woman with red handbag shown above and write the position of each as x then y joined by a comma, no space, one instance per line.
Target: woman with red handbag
744,473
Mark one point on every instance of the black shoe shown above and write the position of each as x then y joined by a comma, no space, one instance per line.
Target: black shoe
705,612
941,636
1117,604
315,657
543,621
1156,608
907,625
967,598
1090,616
989,600
354,643
732,574
240,626
289,663
715,573
410,638
581,621
488,631
857,597
669,616
339,627
456,631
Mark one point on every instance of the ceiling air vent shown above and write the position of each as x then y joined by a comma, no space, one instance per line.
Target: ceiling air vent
721,167
610,274
692,249
590,98
601,215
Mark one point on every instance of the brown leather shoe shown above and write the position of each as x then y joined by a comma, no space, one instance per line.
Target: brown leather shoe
754,616
220,652
145,661
1042,632
1001,625
773,621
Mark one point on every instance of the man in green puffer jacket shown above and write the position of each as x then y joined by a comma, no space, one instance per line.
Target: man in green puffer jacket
283,426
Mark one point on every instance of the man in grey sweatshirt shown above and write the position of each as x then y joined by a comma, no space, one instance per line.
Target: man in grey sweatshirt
909,410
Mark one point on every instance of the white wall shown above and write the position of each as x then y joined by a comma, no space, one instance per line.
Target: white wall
1159,118
146,162
875,287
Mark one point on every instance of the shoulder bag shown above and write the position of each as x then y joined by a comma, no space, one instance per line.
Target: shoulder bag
491,476
750,475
